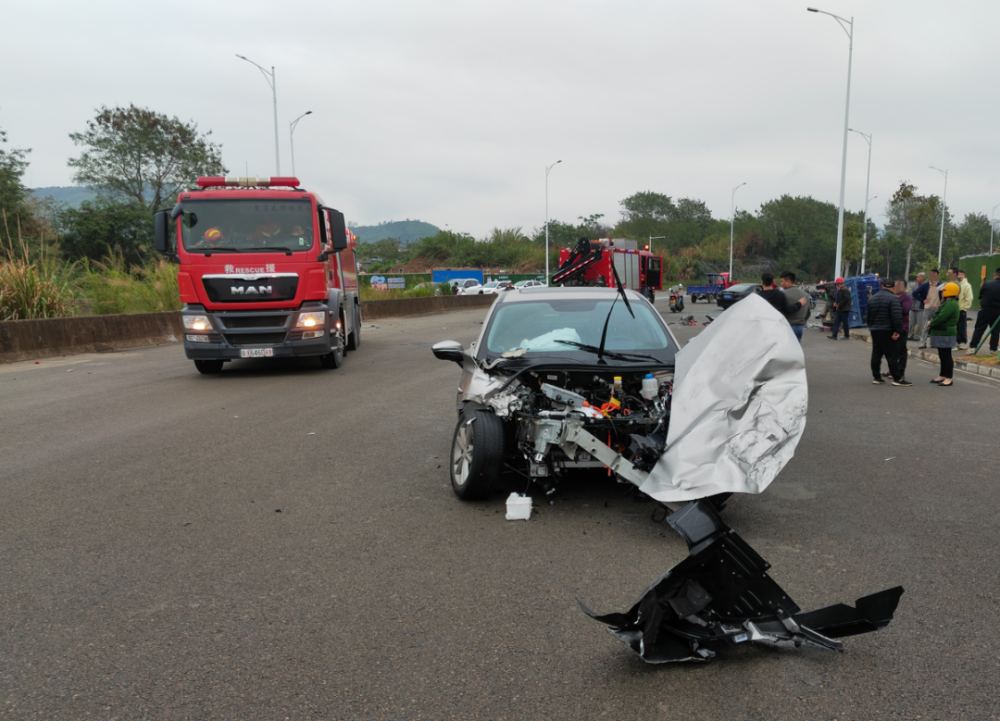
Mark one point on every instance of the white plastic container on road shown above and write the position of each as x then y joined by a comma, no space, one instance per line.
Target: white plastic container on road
518,507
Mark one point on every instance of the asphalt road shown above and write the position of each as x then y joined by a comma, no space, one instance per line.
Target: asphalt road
282,542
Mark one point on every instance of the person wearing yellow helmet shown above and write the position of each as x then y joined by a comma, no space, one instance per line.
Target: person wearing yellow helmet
942,329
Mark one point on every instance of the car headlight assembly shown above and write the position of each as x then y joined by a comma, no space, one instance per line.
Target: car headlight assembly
197,323
313,319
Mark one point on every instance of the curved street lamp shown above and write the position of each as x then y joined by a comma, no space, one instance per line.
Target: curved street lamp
732,220
547,219
269,77
291,135
848,27
944,201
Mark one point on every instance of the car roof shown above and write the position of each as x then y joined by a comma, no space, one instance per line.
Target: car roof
535,293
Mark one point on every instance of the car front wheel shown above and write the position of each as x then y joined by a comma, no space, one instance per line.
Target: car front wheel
476,454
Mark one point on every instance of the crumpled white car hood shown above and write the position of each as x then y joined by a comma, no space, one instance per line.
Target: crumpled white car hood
738,410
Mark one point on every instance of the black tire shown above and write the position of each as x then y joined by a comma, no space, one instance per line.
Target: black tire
476,455
354,339
335,358
208,367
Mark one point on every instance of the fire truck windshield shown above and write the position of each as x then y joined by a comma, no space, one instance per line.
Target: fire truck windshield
246,225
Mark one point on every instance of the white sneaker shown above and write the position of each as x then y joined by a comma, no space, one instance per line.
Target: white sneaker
963,346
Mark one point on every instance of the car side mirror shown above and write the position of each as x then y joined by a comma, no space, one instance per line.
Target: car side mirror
161,222
450,350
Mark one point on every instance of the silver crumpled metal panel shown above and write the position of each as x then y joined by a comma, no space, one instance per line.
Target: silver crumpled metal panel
738,410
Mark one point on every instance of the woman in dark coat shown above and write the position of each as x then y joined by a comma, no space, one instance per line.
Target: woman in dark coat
943,327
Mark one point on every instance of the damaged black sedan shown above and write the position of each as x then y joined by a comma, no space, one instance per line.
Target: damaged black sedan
561,379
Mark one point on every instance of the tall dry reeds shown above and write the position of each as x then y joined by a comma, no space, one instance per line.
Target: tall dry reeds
32,284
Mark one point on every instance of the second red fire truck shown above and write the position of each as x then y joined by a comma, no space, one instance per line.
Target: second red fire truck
265,270
590,262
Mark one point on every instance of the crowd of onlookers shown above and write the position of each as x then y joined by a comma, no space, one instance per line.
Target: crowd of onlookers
933,313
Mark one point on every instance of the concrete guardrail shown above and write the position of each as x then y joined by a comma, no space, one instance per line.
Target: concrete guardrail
22,340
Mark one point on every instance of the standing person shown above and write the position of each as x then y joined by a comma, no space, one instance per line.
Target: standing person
931,304
917,313
942,332
964,305
772,294
798,304
905,307
885,322
842,309
989,311
454,289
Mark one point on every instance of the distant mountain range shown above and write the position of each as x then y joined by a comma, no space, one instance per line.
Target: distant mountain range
407,231
72,195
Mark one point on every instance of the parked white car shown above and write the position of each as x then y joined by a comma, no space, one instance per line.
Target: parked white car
529,284
491,288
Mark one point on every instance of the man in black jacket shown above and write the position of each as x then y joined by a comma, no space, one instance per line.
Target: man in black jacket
989,311
885,322
842,310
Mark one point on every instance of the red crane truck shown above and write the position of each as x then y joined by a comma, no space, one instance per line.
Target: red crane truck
265,270
589,263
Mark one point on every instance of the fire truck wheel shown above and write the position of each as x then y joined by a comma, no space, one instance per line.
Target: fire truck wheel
354,339
476,454
335,358
208,367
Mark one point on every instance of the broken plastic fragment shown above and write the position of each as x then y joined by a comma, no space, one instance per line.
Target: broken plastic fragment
721,595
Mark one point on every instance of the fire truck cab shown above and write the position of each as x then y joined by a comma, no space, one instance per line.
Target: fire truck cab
265,270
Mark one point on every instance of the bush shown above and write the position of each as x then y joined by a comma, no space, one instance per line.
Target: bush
112,286
33,285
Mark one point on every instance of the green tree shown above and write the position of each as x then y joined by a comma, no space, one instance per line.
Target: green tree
13,194
801,233
142,155
972,236
102,226
910,219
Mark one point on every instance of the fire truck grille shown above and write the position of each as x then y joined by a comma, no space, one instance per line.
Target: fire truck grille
254,321
255,339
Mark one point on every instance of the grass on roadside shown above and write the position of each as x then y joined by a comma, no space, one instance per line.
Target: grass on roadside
111,286
33,284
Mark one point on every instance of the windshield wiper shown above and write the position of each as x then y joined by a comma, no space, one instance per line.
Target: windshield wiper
286,251
609,353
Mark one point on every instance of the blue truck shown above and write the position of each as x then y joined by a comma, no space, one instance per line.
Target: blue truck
717,282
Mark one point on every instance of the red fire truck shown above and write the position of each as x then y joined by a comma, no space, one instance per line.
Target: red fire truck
589,263
265,270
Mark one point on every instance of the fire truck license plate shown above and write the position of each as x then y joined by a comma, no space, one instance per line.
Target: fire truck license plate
256,352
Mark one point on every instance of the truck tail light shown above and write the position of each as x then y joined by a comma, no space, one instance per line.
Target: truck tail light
234,182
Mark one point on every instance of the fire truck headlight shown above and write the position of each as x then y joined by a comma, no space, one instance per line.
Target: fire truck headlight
311,320
196,322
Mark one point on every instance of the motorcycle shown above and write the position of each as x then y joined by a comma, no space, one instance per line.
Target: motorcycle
676,301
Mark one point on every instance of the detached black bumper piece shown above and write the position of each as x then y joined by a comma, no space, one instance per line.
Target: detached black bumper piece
721,595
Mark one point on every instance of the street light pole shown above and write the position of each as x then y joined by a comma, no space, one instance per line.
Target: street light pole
291,135
864,238
848,27
651,239
732,221
993,220
547,219
868,178
269,77
944,206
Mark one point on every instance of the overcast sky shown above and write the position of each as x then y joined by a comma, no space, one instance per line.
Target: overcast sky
449,112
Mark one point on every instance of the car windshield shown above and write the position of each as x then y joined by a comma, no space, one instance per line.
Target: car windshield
740,288
246,225
492,284
539,325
